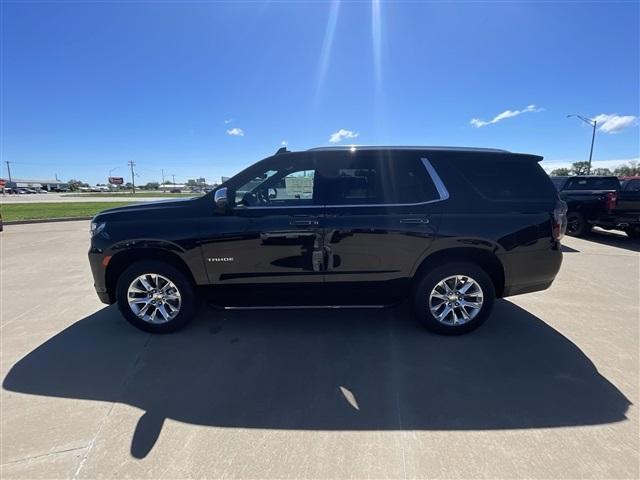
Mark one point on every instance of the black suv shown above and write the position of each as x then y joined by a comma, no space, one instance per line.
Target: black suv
453,228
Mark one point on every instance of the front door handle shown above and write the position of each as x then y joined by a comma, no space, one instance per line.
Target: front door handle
414,220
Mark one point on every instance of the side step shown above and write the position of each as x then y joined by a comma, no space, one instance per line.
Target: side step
297,307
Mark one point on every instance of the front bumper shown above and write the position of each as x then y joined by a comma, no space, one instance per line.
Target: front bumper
99,272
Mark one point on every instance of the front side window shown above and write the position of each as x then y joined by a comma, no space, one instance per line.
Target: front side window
377,178
280,183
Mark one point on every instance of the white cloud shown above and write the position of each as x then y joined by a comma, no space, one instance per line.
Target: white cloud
228,121
613,123
476,122
235,132
341,135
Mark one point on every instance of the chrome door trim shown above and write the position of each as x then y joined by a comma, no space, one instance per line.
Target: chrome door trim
443,193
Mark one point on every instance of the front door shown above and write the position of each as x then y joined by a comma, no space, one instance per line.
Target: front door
279,238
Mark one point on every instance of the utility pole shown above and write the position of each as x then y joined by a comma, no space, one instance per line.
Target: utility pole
8,169
174,179
133,176
593,124
163,176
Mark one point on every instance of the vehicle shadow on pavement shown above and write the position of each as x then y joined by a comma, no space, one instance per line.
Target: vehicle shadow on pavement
325,370
613,239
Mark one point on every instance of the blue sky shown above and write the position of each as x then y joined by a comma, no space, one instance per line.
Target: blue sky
205,88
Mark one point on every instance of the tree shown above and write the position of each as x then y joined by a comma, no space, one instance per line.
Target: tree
629,169
560,172
75,185
152,186
580,168
601,171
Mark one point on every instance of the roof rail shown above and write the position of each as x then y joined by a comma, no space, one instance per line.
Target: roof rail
407,147
282,150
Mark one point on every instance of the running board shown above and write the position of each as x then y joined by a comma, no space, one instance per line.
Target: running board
301,307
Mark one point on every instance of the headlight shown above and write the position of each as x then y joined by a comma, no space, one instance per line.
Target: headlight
96,228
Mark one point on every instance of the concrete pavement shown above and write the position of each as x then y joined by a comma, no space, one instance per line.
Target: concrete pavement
548,387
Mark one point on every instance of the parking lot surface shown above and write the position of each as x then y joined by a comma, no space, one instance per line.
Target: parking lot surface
548,387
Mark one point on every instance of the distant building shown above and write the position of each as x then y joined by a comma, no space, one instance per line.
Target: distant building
49,185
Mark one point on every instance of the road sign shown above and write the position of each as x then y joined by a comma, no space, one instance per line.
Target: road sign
116,180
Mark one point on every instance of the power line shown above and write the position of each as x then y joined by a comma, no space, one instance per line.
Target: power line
133,176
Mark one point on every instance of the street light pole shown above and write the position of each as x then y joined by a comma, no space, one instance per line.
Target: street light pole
593,124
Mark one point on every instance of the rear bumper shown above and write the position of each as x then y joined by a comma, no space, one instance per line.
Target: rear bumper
531,271
618,221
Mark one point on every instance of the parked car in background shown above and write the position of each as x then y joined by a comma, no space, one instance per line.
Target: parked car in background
599,201
626,213
451,228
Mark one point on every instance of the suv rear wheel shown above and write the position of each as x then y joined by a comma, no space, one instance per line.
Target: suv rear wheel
454,298
156,297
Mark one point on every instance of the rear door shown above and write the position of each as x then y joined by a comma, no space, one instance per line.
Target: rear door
381,214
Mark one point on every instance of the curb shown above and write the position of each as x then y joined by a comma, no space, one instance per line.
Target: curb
45,220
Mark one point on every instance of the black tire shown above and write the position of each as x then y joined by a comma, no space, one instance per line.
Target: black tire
633,232
433,277
188,303
577,226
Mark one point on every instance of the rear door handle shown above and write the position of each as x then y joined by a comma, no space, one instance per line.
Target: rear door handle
304,221
414,220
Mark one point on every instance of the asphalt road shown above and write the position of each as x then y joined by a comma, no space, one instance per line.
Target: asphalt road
547,388
65,198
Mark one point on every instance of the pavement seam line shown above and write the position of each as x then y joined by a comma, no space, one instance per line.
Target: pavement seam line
127,378
35,457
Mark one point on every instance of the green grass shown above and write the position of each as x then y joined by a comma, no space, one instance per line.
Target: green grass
131,195
37,211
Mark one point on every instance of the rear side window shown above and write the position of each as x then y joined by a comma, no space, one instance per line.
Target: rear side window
508,179
592,183
377,178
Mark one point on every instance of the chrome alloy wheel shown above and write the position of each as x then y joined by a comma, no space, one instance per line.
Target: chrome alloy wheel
456,300
154,298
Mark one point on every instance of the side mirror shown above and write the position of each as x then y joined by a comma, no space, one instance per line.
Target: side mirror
220,198
272,193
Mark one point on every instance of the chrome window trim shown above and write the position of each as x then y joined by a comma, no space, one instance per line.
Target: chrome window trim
443,193
437,181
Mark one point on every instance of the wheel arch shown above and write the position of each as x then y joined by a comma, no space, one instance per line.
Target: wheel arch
485,259
122,260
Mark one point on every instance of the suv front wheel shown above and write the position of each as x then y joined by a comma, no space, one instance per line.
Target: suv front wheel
454,298
156,297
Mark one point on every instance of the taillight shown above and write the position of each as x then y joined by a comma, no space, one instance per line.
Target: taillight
611,198
559,220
